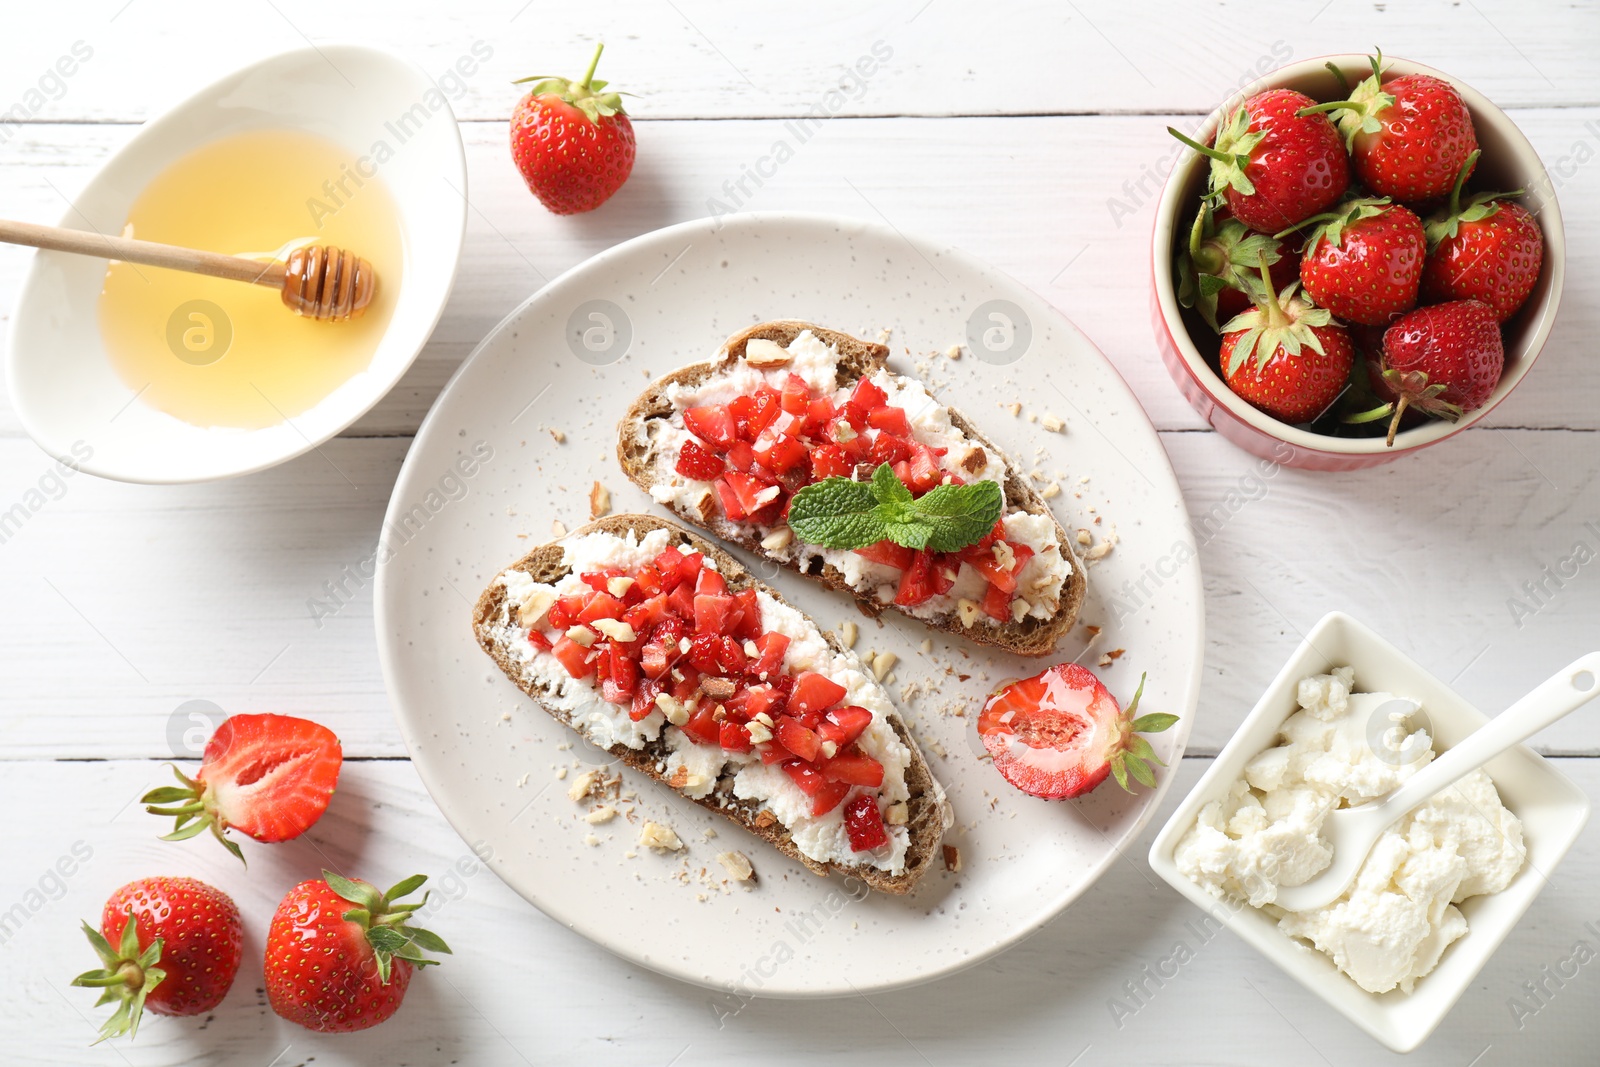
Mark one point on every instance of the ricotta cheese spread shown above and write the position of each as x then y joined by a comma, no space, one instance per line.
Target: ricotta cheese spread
1039,584
820,838
1393,924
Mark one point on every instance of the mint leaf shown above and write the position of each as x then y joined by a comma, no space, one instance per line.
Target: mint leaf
836,513
888,488
959,515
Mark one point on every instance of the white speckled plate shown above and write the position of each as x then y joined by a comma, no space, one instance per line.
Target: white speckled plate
487,476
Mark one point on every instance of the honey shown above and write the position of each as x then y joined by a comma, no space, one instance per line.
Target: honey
219,353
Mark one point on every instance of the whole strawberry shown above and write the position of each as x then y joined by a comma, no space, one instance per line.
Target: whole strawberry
1286,356
1443,360
1217,271
1408,137
572,141
270,776
340,953
168,944
1274,166
1363,261
1490,250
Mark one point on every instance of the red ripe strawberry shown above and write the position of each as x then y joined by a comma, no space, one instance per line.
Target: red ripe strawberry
1286,356
177,947
863,824
340,953
697,463
1408,137
268,775
1489,250
572,141
1275,166
1060,733
1443,360
1217,273
1364,261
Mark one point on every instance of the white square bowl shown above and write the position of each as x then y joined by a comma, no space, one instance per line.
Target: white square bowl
1553,811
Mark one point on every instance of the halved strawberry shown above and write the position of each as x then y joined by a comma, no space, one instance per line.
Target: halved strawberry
270,776
1060,733
863,824
696,463
713,424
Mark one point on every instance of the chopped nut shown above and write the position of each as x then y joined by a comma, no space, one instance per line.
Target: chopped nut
926,646
718,688
1051,423
1015,408
976,461
604,813
672,708
952,859
558,528
897,814
1003,555
1104,661
883,663
953,352
764,818
616,629
760,733
751,650
619,586
737,864
1033,416
583,785
561,772
968,611
590,840
847,634
766,496
777,539
764,353
1085,538
654,835
1051,491
683,646
1019,609
560,437
581,635
763,718
535,605
1117,653
599,501
1099,551
830,749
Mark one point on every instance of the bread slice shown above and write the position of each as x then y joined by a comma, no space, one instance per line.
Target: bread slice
928,811
858,359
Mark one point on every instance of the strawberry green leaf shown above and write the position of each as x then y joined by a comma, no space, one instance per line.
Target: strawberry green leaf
1154,723
1119,770
406,886
1141,771
355,892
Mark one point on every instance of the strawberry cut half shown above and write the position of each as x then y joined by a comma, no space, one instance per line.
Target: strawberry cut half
270,776
1060,733
863,824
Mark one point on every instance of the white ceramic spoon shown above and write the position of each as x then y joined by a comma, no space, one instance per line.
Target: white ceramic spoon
1351,832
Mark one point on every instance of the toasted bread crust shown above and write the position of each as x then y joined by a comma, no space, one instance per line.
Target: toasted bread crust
857,359
926,806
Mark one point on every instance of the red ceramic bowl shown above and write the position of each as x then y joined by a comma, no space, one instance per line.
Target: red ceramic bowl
1508,162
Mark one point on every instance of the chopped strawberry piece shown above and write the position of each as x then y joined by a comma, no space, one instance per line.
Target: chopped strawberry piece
538,640
866,397
819,414
844,725
711,582
602,606
772,646
999,574
944,574
863,824
997,603
703,652
573,656
828,797
772,752
854,767
599,580
742,457
563,614
798,739
620,674
712,612
890,420
731,659
925,473
681,601
916,583
889,554
688,684
750,493
782,455
648,614
748,605
644,699
667,565
703,727
729,500
713,424
829,461
796,398
764,699
890,450
814,693
695,463
767,409
650,581
733,736
809,781
984,546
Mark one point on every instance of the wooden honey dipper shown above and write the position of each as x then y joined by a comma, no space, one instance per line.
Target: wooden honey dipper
318,281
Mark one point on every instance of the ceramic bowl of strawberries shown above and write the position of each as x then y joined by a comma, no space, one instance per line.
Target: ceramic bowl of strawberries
1356,258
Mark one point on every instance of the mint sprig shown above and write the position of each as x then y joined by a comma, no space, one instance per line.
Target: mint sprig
842,513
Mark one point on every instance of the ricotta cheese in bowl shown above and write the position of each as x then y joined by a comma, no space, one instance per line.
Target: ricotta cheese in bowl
1398,917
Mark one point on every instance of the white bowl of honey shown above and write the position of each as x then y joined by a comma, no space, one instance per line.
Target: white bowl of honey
151,375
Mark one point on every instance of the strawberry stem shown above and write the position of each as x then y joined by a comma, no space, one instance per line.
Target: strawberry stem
1275,316
1209,152
583,83
1394,423
1461,180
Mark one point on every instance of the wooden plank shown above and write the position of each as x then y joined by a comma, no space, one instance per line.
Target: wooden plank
698,59
1053,229
520,989
127,601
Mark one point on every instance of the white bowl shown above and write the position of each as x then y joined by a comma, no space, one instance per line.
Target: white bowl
1552,809
67,394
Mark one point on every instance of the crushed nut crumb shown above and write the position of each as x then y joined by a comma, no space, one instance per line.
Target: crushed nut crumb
737,865
656,836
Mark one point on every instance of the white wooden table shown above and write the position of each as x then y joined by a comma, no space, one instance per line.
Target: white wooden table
1029,133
